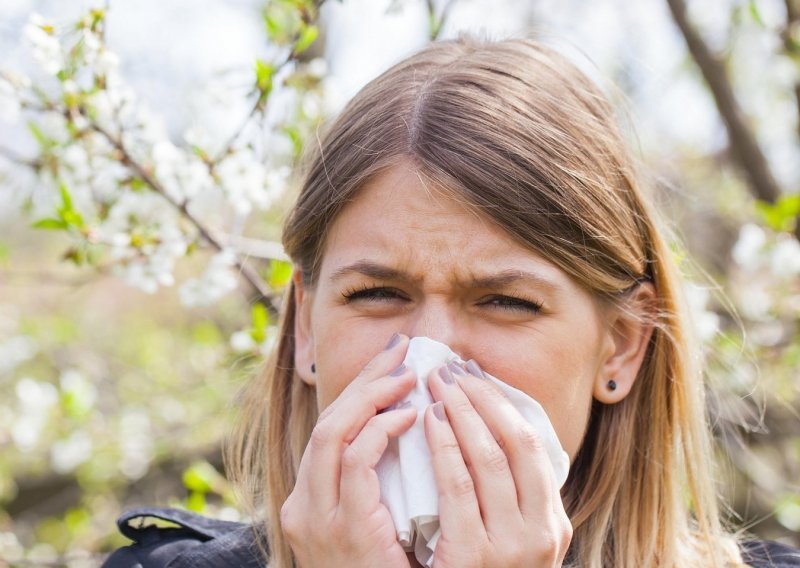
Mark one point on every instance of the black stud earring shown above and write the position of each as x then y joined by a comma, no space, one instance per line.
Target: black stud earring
313,367
612,385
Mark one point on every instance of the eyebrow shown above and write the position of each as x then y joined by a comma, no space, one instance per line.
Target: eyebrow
499,280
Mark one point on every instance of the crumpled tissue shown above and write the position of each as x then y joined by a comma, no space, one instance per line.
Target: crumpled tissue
408,485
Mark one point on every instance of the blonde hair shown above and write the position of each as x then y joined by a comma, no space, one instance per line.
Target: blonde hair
518,132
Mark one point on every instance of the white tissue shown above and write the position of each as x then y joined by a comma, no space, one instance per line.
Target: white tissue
408,486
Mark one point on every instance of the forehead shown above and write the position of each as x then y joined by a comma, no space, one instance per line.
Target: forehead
402,217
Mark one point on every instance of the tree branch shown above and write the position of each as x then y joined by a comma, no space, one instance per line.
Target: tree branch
247,272
791,45
12,156
744,146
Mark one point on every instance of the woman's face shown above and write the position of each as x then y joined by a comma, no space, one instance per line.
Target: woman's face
404,258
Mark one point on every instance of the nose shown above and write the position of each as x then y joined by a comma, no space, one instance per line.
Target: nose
440,321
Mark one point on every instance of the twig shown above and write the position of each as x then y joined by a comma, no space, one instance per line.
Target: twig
247,272
226,148
12,156
256,248
47,278
437,23
791,45
743,144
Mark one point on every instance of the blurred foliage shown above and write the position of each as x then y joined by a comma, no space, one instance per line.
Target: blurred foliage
116,394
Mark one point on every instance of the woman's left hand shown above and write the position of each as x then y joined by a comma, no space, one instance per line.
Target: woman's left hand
499,504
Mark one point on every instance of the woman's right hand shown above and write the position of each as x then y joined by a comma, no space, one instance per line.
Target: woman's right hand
334,516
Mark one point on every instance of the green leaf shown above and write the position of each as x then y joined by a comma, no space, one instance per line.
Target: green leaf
280,272
200,477
297,140
206,333
66,198
138,185
43,141
264,74
781,215
50,224
73,218
755,13
196,502
787,512
260,323
308,36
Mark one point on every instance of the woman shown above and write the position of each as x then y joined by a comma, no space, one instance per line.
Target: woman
481,195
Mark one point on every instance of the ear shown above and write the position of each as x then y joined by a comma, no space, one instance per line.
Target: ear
630,329
303,334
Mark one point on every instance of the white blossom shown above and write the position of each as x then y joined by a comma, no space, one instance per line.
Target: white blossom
242,341
35,400
785,257
706,322
217,280
14,351
54,127
753,300
751,241
46,48
244,180
9,102
318,67
11,550
67,454
82,391
145,240
136,442
107,62
181,174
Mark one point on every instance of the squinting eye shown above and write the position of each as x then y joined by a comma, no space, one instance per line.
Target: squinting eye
512,304
377,294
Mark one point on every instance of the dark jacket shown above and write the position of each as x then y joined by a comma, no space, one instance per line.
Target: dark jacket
200,542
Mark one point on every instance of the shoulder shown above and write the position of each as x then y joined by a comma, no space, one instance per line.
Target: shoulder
769,554
189,540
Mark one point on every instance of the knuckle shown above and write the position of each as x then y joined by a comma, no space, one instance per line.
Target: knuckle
529,440
351,460
492,457
450,449
463,407
320,437
550,543
462,485
514,552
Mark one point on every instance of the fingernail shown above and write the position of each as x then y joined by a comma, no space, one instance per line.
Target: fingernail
438,411
456,369
398,371
475,369
394,340
402,405
446,376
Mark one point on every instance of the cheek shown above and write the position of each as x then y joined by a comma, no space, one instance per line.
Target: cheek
343,349
558,374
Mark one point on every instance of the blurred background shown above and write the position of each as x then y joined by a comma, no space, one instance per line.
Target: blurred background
146,160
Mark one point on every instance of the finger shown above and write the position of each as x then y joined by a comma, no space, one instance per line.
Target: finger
485,458
321,463
524,447
359,485
459,512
